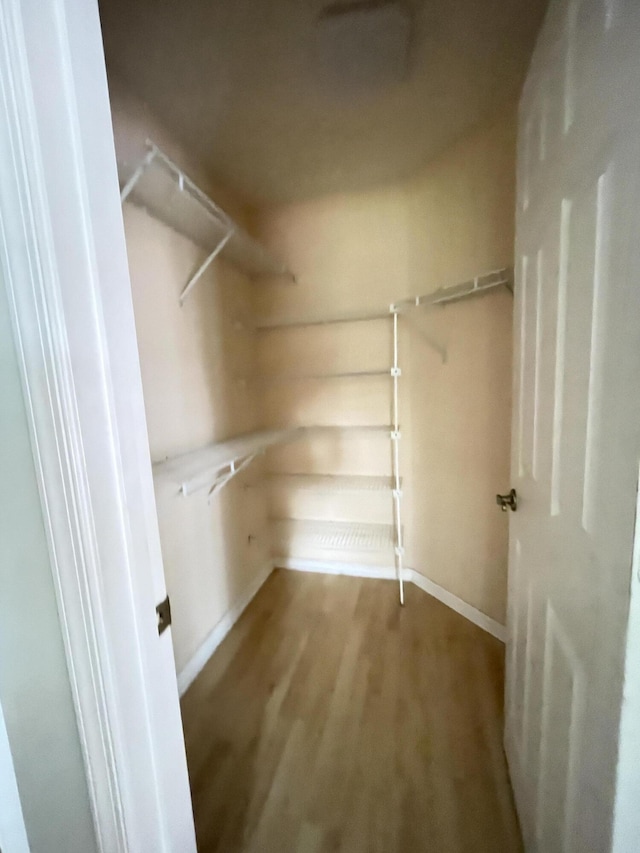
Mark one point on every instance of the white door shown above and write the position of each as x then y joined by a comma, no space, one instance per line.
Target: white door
576,436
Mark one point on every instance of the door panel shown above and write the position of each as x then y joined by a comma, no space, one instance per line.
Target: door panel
576,427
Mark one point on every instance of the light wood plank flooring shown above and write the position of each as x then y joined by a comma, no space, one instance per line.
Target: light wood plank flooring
331,719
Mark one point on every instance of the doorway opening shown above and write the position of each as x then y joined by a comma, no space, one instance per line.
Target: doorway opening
319,212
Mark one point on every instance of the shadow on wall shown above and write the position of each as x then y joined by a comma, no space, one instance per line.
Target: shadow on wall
462,426
196,361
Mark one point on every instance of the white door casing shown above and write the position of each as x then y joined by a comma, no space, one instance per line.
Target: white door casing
13,834
576,426
63,255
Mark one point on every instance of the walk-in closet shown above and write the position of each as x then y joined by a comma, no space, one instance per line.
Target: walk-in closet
320,426
318,203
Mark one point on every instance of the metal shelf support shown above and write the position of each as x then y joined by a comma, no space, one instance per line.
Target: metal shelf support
210,258
152,186
234,468
137,174
428,339
395,449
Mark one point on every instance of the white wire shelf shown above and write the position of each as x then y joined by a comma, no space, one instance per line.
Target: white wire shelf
445,295
214,465
284,325
162,188
332,483
349,430
266,325
332,535
283,378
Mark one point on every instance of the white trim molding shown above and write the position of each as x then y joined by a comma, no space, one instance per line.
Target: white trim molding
198,661
63,262
30,275
491,626
13,834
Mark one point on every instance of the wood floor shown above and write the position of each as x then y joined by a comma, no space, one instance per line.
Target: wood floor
331,719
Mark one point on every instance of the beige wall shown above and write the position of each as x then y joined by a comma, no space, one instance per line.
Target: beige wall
461,211
194,361
349,253
203,373
461,208
358,253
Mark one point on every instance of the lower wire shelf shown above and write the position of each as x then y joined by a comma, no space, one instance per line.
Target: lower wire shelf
332,535
331,483
215,464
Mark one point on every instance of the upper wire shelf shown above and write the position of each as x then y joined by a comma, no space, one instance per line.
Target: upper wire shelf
283,378
480,284
267,325
445,295
162,188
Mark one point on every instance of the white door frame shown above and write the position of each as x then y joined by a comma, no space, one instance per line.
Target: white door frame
13,834
63,261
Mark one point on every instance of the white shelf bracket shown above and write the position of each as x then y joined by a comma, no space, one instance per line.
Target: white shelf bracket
135,177
234,468
203,267
432,342
161,201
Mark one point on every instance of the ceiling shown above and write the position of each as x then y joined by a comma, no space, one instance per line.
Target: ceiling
239,83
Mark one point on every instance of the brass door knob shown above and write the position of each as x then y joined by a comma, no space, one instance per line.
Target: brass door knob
509,501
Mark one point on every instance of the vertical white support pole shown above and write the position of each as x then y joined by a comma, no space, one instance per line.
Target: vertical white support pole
395,445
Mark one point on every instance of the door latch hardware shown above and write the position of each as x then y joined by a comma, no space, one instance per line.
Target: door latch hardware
164,615
509,501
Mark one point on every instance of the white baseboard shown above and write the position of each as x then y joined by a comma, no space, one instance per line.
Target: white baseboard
467,610
191,670
389,573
